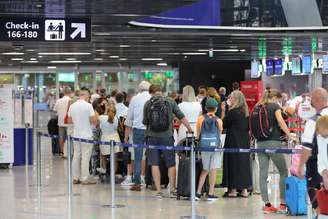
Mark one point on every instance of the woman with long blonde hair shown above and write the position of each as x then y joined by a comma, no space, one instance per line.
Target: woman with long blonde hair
236,166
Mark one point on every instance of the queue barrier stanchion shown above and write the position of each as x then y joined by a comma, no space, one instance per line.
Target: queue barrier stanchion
69,177
27,125
38,160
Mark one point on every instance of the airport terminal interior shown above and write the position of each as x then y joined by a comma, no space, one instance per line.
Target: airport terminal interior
116,48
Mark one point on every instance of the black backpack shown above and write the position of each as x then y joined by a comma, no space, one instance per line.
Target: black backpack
259,123
53,126
158,114
121,128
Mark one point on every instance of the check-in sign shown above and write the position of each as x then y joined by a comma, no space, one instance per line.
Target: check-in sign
45,29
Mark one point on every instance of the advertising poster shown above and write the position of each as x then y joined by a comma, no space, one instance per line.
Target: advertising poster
6,125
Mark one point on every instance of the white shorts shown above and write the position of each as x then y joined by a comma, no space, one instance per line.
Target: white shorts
211,160
105,149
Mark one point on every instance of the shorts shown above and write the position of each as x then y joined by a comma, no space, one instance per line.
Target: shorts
62,132
154,155
105,149
211,160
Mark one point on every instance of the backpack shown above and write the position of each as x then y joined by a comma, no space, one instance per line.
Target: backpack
259,123
53,126
121,128
158,114
210,134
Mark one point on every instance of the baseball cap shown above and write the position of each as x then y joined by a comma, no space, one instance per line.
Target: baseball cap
211,103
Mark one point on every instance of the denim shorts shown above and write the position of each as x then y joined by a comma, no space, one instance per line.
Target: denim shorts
154,155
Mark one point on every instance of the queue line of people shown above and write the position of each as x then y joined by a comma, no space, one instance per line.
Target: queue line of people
231,114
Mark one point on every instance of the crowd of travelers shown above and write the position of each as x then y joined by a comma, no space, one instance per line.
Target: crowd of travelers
215,119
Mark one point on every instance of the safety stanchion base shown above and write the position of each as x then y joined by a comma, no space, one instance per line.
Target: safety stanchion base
113,206
190,217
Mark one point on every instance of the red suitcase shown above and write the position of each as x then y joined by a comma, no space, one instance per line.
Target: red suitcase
322,198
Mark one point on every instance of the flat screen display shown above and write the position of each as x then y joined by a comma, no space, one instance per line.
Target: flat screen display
255,73
278,67
66,77
296,66
325,64
307,65
269,67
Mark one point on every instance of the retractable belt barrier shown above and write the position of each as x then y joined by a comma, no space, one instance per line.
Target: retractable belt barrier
192,150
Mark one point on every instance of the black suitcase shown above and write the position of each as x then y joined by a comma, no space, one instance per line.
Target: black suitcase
164,174
184,175
184,171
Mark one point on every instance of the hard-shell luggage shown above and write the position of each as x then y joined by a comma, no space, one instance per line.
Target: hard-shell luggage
295,196
184,171
53,129
184,177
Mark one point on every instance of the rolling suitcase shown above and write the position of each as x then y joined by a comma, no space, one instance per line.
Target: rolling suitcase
295,196
184,172
322,197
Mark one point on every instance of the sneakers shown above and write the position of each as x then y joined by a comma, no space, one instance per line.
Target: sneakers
282,209
212,198
101,170
136,188
268,209
198,197
127,181
173,194
159,195
143,181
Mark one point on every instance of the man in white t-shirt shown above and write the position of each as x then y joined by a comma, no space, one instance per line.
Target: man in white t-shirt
61,108
82,115
121,109
319,99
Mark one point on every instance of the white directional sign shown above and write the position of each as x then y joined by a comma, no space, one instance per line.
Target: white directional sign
80,28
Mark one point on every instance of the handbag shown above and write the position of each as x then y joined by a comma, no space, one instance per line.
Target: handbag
66,115
322,198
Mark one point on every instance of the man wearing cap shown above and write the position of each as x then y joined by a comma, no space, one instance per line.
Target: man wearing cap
134,121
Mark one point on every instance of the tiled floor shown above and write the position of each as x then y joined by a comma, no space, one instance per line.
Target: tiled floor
19,199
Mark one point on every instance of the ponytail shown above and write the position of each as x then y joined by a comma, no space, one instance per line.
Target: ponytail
268,95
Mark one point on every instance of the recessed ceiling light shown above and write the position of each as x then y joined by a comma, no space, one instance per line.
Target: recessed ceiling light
40,56
114,57
12,53
101,33
32,59
194,53
71,59
98,59
63,61
123,59
38,5
100,50
151,59
52,67
219,50
30,50
104,53
63,53
242,50
153,41
17,59
125,46
162,64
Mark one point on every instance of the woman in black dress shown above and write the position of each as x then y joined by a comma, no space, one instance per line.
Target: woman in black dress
236,166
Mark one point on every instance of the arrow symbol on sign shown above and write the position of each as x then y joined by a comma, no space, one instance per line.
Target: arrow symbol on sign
79,28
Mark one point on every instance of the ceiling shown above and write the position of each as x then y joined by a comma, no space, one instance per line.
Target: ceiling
115,42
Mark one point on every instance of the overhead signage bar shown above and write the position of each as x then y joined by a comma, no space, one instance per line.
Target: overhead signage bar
45,29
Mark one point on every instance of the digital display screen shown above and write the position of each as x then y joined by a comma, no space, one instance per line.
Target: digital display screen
278,67
269,67
66,77
296,66
255,73
307,65
325,64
